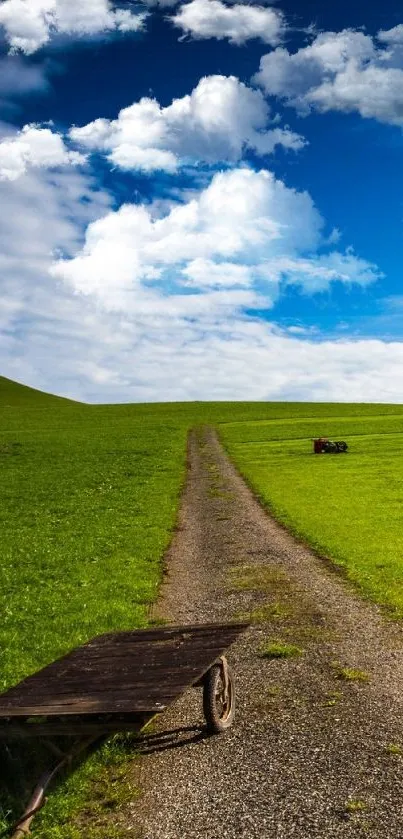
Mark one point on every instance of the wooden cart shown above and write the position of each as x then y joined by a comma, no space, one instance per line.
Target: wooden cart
119,682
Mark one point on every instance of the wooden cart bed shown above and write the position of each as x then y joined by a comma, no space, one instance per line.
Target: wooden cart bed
117,679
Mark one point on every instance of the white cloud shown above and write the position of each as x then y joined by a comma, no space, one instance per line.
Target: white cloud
30,24
205,273
234,244
89,354
392,36
334,236
266,142
238,22
46,212
345,71
242,216
37,147
162,339
315,274
219,120
300,330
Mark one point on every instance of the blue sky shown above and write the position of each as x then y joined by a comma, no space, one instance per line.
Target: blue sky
236,233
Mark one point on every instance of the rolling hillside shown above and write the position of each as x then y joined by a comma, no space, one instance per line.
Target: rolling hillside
89,498
13,394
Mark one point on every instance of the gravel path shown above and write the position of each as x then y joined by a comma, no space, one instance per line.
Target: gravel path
312,753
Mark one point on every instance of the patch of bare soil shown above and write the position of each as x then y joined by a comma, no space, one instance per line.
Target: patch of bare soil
316,748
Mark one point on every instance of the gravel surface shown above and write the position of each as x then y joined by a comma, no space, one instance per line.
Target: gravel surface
312,753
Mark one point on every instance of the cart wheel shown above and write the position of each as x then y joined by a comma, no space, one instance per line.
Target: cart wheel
219,710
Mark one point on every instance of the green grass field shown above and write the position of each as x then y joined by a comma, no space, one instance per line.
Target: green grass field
88,499
348,507
88,502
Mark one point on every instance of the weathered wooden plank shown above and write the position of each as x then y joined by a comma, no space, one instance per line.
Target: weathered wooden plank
111,685
113,673
130,693
90,707
136,671
160,648
117,664
133,695
162,632
124,662
150,653
131,657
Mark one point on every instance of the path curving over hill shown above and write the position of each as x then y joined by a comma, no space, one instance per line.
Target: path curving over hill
315,749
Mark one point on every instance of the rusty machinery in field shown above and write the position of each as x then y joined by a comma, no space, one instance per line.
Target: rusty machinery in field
322,445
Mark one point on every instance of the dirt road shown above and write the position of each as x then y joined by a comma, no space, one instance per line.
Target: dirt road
315,750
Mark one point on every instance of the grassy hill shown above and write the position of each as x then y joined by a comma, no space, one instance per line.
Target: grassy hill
14,394
89,497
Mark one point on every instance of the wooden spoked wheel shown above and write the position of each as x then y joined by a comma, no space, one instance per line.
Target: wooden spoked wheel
219,697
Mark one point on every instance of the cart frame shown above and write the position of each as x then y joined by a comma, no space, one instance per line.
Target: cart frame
119,682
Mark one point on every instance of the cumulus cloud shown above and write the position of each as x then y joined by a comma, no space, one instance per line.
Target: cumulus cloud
28,26
36,147
232,245
44,214
47,212
219,120
342,71
238,22
96,356
160,343
242,217
392,36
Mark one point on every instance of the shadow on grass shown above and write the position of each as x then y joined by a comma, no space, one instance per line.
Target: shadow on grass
23,762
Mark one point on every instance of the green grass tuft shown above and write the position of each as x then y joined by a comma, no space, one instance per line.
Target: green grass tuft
262,578
349,674
355,805
276,649
269,612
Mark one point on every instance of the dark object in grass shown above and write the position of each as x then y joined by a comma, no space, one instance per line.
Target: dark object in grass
322,445
21,828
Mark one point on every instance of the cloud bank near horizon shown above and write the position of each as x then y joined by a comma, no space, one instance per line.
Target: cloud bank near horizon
85,309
